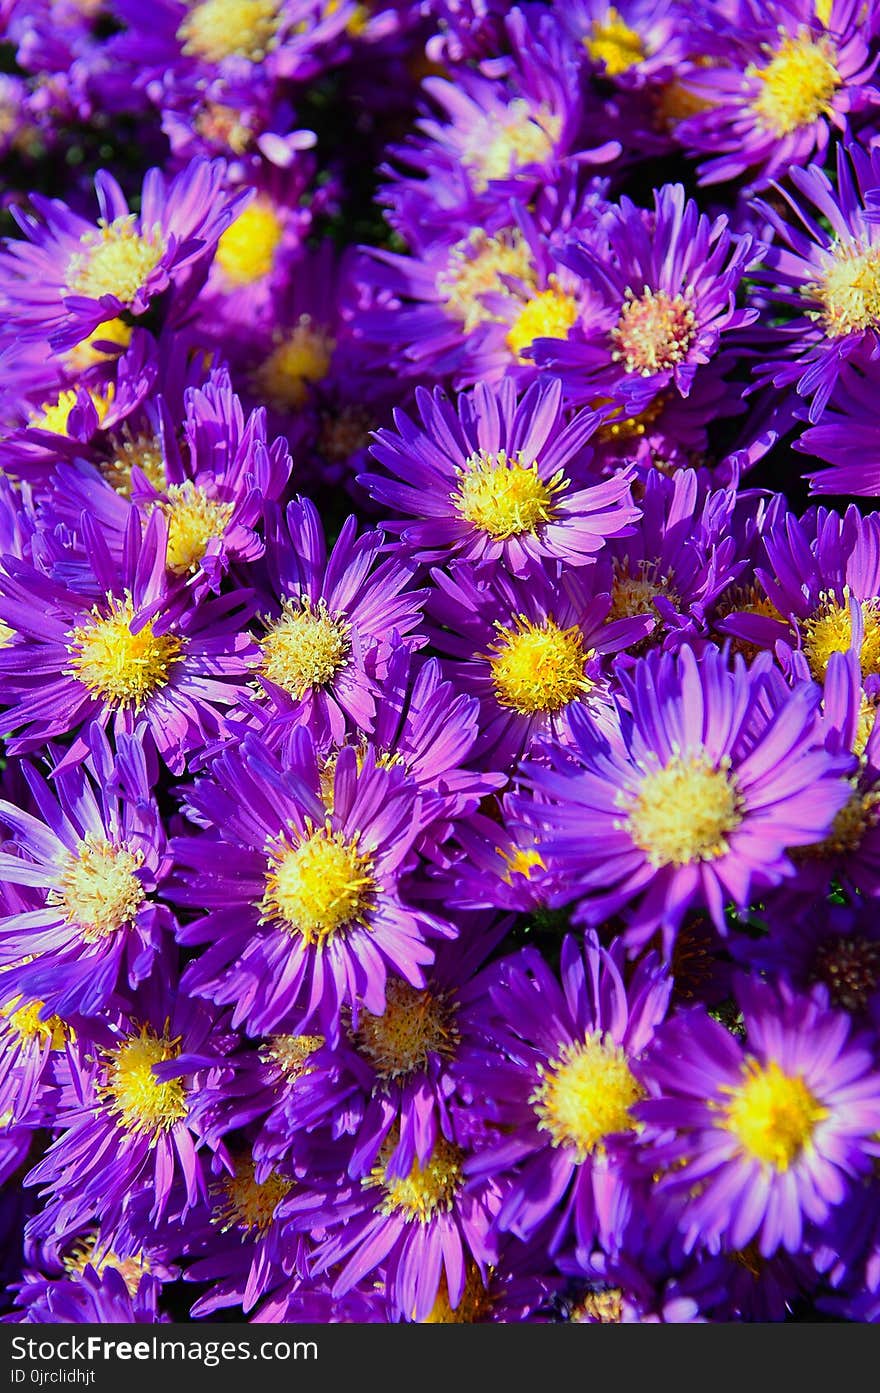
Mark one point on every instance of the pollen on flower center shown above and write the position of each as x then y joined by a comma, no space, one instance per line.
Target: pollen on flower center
521,861
121,667
99,889
848,289
89,1253
851,822
54,416
250,1204
317,885
218,29
414,1025
585,1094
298,359
772,1115
134,451
474,1305
504,144
85,354
427,1190
797,84
538,667
633,595
194,520
829,630
549,314
684,811
246,250
475,268
504,497
305,647
291,1053
116,260
601,1306
654,332
612,42
29,1023
142,1103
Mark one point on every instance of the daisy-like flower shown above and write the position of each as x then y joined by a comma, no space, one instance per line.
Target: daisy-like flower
488,479
667,285
70,275
92,1298
131,1120
823,269
779,81
129,653
630,43
30,1040
756,1138
718,771
95,855
326,648
550,1076
305,911
531,647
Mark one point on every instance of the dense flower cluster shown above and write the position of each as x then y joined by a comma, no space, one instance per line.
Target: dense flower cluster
439,768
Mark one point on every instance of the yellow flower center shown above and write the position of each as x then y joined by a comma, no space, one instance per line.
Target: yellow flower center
858,814
772,1115
88,1253
54,415
538,667
604,1306
616,426
634,595
865,725
415,1025
502,146
797,84
317,885
218,29
305,647
99,888
611,41
474,1305
654,332
249,1204
193,520
427,1190
585,1094
116,260
291,1053
142,1103
86,355
130,451
504,497
522,861
475,268
829,630
6,635
121,667
683,811
246,250
547,315
848,289
28,1023
298,359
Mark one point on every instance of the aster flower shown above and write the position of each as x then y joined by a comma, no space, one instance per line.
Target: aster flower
552,1081
780,81
847,436
757,1139
95,855
531,647
130,652
631,43
717,772
305,907
94,1298
667,293
29,1040
324,653
69,276
490,473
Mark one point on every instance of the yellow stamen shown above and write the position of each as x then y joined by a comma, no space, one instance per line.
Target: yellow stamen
503,496
585,1095
29,1023
218,29
317,884
475,268
415,1025
246,250
654,332
506,144
249,1204
291,1053
522,860
143,451
603,1306
797,84
547,315
633,595
85,354
473,1307
772,1115
54,415
848,289
616,426
116,260
116,665
142,1103
89,1253
305,647
857,816
683,811
829,630
538,667
99,889
298,360
194,520
427,1190
613,43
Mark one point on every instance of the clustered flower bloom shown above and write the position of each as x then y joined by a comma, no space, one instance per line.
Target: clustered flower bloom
440,661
